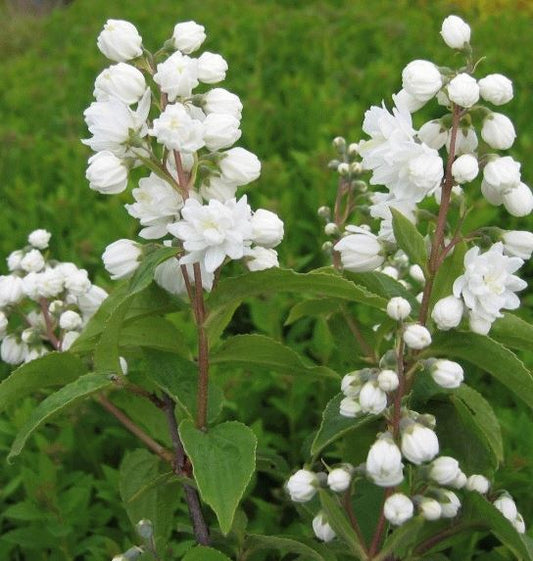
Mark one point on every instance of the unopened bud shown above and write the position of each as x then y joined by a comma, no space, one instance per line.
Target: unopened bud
145,529
324,212
343,169
339,142
331,229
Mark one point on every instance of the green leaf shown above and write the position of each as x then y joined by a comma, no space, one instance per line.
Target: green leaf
311,551
153,332
81,388
334,425
340,523
259,350
53,369
142,496
474,409
144,274
204,553
178,377
479,510
489,355
313,308
223,461
452,267
401,540
409,238
513,332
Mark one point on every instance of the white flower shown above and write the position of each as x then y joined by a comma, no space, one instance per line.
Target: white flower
220,131
407,101
505,504
478,483
417,274
350,407
13,351
398,508
156,205
463,90
212,68
68,339
388,380
323,531
488,285
169,275
429,508
260,258
70,320
465,168
459,482
449,503
14,259
106,173
115,126
500,175
372,398
434,134
121,258
398,308
518,201
519,524
419,443
122,81
219,100
444,470
466,141
188,36
119,40
217,188
360,251
351,384
496,89
447,374
384,462
391,272
175,129
421,79
33,261
90,301
455,32
39,238
416,336
11,290
339,479
76,280
239,166
213,231
267,228
447,313
3,325
498,131
302,486
177,76
518,243
47,284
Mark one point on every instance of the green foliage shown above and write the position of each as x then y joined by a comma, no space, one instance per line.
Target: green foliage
409,238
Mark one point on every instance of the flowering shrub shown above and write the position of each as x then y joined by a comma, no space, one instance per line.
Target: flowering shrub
402,465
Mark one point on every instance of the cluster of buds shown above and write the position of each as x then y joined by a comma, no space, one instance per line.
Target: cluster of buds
44,304
183,132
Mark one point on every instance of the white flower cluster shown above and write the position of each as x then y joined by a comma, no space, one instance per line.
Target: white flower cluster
189,198
44,304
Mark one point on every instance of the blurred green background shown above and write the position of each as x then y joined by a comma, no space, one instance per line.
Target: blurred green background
306,71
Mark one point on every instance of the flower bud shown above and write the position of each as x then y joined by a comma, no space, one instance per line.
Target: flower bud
398,308
421,79
106,173
416,336
70,320
121,81
145,529
498,131
372,399
3,325
447,313
267,228
405,100
447,374
434,134
465,168
68,339
331,229
518,201
360,251
121,258
12,350
519,524
478,483
220,131
188,36
119,40
39,239
388,380
398,508
429,508
324,212
11,290
391,272
212,68
302,486
444,470
261,258
219,100
350,407
496,89
417,274
466,141
323,531
450,503
505,504
459,481
463,90
384,462
455,32
33,261
339,479
351,384
240,166
419,444
518,243
14,259
343,169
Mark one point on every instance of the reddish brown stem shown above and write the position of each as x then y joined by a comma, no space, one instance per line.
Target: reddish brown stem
348,507
380,528
56,343
203,349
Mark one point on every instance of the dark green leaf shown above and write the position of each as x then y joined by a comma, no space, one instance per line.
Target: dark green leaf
311,550
313,308
153,332
409,238
401,540
204,553
144,275
513,332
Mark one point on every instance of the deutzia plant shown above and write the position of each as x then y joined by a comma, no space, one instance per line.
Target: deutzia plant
445,292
